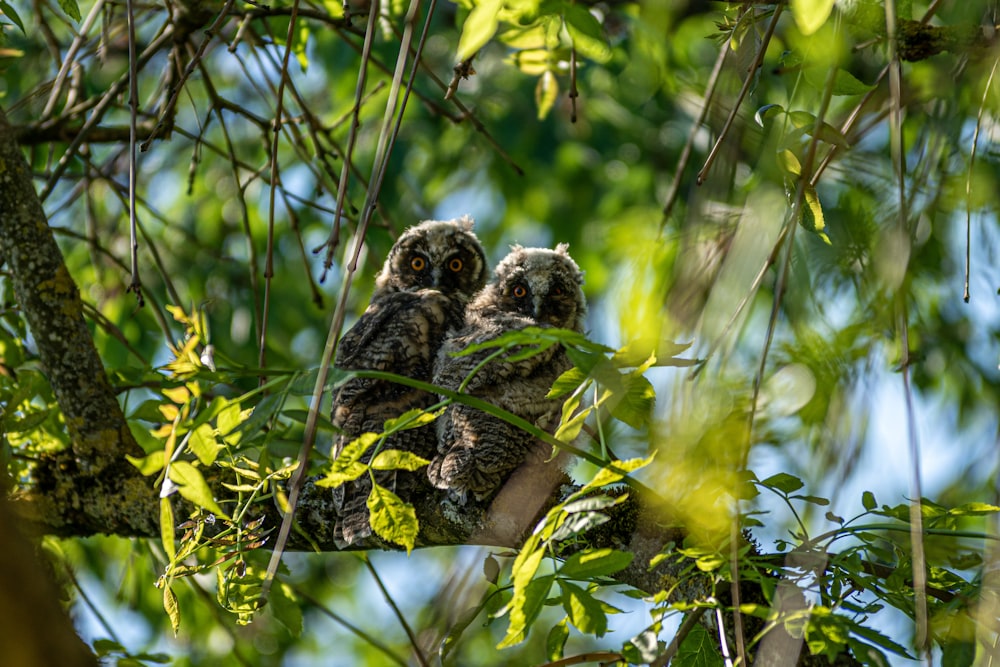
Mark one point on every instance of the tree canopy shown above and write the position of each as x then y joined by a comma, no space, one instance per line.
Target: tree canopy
780,433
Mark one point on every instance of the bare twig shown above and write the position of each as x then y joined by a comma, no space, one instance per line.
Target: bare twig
743,93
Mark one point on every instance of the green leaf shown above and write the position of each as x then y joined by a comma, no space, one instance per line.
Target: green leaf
167,527
170,606
587,34
697,650
391,518
546,93
148,465
585,612
578,522
812,215
568,431
567,383
410,419
12,14
783,482
815,500
555,643
191,484
479,27
609,475
71,8
974,509
595,563
868,500
348,464
765,111
397,459
286,610
525,606
810,15
202,444
635,402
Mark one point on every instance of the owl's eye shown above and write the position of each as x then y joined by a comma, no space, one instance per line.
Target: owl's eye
455,264
418,263
557,291
519,291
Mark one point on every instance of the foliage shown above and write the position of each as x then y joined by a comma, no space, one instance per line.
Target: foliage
749,178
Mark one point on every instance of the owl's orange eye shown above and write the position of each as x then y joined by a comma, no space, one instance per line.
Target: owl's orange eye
519,291
418,263
455,264
557,291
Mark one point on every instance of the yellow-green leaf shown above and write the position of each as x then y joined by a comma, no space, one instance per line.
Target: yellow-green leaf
810,15
202,444
479,27
812,215
391,518
789,163
167,528
348,464
546,93
585,611
148,465
595,563
170,606
568,431
609,475
411,419
397,459
524,609
587,35
192,485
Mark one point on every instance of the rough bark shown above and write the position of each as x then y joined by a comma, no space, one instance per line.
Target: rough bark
87,485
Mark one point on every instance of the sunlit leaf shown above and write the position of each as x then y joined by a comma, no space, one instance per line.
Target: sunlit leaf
171,607
479,27
810,15
148,465
191,484
587,34
595,563
202,444
391,518
546,93
555,642
524,609
584,611
397,459
347,465
167,528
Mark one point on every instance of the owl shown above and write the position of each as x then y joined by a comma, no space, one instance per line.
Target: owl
532,287
420,294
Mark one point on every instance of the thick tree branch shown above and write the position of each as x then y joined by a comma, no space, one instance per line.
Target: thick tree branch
89,486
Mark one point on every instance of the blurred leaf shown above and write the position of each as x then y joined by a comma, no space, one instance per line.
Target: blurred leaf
555,642
546,93
586,33
782,482
12,14
479,27
810,15
71,8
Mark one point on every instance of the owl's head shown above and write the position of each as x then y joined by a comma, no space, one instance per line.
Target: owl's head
541,284
436,254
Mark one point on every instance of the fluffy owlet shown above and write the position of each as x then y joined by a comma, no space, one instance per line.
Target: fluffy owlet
531,287
430,274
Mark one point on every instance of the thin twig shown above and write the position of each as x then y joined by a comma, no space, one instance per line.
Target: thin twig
353,629
899,163
273,191
573,92
333,335
743,93
675,185
133,104
395,609
968,180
